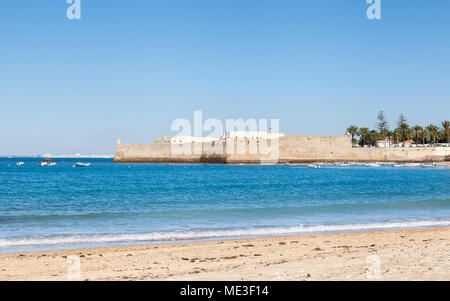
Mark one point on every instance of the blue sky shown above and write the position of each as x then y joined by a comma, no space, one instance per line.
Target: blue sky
127,69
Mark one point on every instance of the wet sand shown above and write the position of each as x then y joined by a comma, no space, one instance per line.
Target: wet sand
421,254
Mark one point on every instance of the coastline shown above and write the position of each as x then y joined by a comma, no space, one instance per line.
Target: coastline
411,254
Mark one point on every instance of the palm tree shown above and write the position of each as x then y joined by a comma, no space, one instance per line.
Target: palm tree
446,130
364,132
373,137
417,131
433,132
353,131
389,135
423,136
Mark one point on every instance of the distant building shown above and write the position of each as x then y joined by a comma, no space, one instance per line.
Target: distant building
228,135
407,143
384,143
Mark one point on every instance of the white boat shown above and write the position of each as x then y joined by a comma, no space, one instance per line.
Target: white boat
52,164
372,165
290,164
428,165
341,164
398,165
20,163
79,164
413,164
441,165
314,166
42,164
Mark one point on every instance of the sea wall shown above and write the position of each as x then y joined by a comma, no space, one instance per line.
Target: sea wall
166,153
402,154
314,148
252,151
293,149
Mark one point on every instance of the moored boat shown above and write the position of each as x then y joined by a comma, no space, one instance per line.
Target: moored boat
428,165
80,164
412,164
341,164
372,165
313,166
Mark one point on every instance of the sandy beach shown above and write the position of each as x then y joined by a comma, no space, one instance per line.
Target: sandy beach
419,254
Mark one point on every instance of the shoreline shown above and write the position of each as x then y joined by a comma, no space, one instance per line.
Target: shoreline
56,247
409,254
299,162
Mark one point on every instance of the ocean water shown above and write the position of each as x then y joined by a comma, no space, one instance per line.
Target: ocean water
107,204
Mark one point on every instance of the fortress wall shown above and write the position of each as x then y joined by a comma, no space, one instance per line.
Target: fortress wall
213,152
314,148
152,153
338,148
404,154
166,153
295,149
252,151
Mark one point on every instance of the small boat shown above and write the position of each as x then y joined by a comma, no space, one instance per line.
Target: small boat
398,165
79,164
314,166
341,164
46,162
412,164
372,165
441,165
290,164
20,163
428,165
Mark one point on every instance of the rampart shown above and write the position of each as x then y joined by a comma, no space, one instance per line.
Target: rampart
293,149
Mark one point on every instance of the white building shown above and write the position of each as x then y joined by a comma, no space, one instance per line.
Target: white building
228,135
384,143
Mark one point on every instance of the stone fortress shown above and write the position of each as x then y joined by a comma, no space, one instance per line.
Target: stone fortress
269,148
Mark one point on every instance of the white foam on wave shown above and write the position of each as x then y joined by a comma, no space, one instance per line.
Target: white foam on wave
205,234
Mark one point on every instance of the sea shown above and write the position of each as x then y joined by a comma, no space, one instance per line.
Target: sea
108,204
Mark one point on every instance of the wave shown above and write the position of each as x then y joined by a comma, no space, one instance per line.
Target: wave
307,208
208,234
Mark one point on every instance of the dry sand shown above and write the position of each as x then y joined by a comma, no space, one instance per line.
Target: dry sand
422,254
